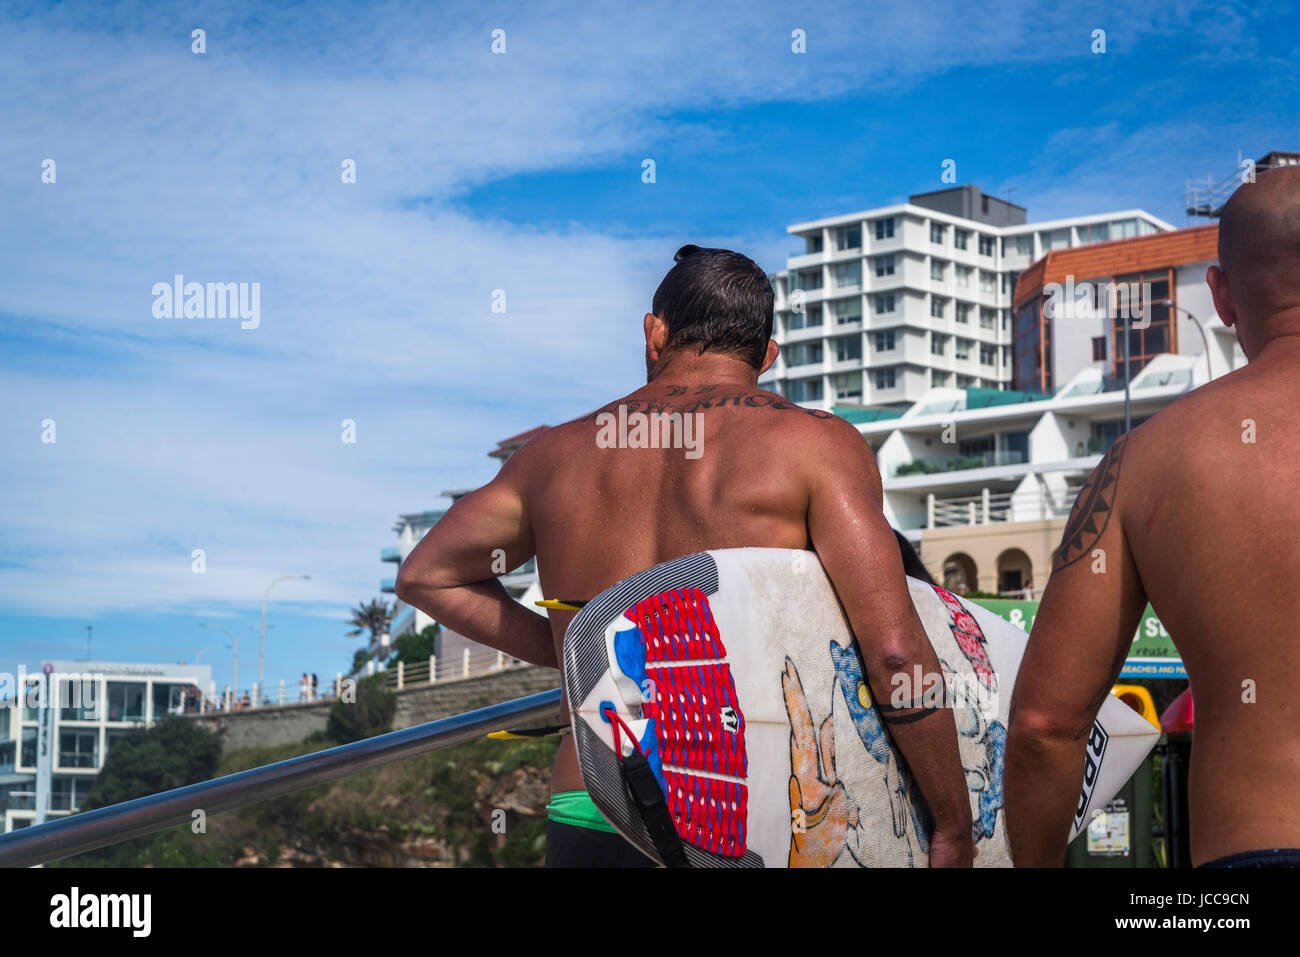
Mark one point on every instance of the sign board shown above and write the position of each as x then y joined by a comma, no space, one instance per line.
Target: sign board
1152,654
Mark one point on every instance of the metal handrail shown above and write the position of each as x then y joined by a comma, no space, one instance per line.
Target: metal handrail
156,812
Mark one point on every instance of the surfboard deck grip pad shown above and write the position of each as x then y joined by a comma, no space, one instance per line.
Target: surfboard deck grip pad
677,657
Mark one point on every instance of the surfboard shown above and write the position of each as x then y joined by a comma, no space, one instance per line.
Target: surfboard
731,680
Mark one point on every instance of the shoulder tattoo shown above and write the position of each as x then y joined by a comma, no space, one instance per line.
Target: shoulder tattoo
1092,509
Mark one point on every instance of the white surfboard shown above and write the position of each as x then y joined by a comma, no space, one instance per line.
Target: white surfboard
736,672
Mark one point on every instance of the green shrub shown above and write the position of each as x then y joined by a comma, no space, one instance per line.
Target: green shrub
370,714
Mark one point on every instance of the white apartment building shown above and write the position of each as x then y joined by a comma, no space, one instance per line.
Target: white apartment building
521,583
49,757
886,304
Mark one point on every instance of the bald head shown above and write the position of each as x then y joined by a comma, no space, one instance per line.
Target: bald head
1259,239
1258,287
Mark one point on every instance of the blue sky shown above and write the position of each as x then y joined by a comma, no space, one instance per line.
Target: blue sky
475,172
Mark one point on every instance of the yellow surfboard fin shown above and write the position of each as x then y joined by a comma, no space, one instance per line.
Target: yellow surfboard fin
561,605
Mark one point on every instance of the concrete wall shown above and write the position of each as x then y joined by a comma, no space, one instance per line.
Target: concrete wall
290,723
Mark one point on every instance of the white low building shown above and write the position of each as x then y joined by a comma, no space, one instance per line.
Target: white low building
49,756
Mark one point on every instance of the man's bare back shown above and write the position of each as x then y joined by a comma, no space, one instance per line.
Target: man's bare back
1195,511
595,505
1216,542
612,515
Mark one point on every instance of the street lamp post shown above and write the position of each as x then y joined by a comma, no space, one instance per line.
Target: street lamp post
261,654
1205,342
234,645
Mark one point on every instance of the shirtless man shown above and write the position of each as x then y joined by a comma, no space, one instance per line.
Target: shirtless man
1196,512
767,473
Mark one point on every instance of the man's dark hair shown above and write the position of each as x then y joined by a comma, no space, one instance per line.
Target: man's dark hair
716,299
912,566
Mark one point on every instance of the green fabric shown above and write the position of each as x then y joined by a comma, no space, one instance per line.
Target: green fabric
577,808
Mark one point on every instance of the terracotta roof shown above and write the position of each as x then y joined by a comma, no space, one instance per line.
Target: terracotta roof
1118,257
507,447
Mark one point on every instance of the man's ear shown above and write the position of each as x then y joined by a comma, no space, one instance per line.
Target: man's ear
656,337
1218,282
773,350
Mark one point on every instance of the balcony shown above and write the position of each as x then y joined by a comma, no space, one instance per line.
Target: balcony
391,554
958,463
992,507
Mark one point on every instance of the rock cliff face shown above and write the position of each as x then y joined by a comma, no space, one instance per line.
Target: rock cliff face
503,825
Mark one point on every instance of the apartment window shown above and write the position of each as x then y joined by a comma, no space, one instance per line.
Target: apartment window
807,279
963,275
988,281
938,344
813,244
939,377
78,700
963,311
884,378
1158,337
168,699
986,245
938,307
78,749
848,385
125,701
962,348
938,270
805,320
848,237
1099,349
848,275
885,228
1123,229
884,265
960,238
1024,245
27,748
988,318
1094,233
936,233
885,340
848,347
803,353
805,390
68,791
965,381
884,303
988,355
847,311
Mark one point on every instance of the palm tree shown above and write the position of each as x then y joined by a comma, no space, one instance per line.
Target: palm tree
373,616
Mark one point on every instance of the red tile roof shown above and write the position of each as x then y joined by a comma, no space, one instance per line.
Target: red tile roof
1118,257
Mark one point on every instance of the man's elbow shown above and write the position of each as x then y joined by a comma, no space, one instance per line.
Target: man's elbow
412,588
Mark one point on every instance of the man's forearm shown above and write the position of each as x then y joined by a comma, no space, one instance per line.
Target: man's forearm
485,612
926,736
1043,775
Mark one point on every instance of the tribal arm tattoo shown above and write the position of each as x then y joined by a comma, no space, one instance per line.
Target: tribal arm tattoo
1092,509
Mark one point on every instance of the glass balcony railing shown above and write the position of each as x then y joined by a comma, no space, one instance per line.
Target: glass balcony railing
958,463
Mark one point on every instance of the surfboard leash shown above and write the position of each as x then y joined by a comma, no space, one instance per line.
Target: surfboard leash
648,796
